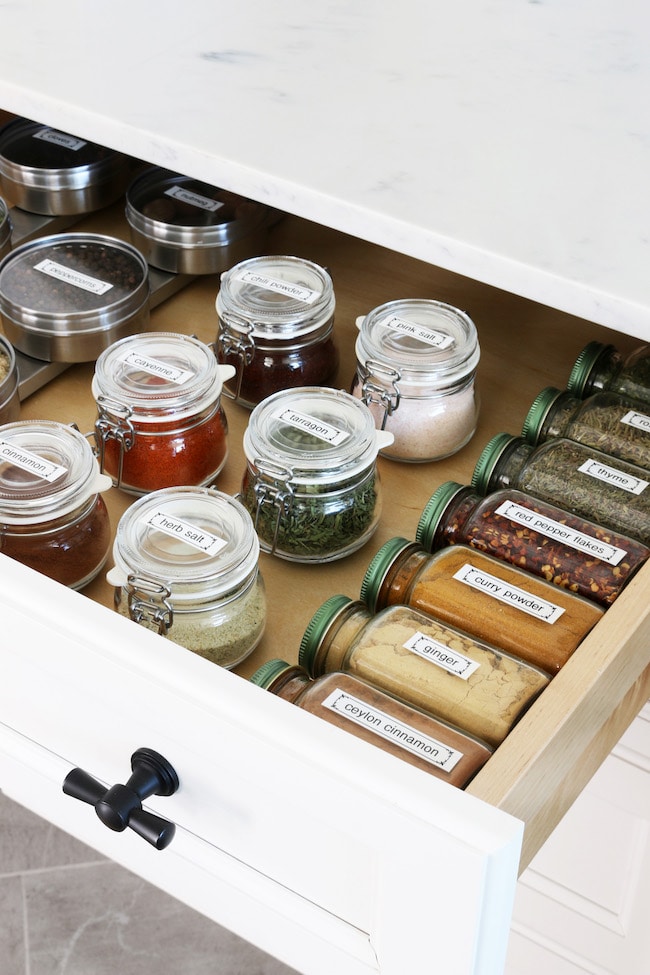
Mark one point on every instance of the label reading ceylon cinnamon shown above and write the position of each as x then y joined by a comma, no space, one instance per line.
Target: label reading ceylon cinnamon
492,586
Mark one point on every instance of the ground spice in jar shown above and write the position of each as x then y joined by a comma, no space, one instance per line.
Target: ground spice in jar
380,719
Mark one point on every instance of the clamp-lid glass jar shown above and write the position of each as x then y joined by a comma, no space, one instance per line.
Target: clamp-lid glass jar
186,567
416,366
160,421
601,366
52,515
431,665
381,719
509,608
6,229
276,324
563,548
311,482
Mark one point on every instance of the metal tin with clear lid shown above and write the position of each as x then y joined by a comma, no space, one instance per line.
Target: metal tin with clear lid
311,482
276,321
9,393
160,421
6,229
416,366
186,567
52,515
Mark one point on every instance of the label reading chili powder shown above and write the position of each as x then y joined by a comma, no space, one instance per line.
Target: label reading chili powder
70,276
610,475
186,532
638,420
361,713
287,288
193,199
438,653
30,462
324,431
60,139
157,368
561,533
437,339
491,585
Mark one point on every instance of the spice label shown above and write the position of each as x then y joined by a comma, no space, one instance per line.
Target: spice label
60,139
157,368
639,420
441,655
323,431
28,461
492,586
186,532
403,735
611,475
286,288
562,533
70,276
438,340
193,199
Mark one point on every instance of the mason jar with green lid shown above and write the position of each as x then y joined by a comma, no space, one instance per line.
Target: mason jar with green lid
603,367
399,728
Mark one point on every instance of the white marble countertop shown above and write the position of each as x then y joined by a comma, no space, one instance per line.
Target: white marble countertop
507,141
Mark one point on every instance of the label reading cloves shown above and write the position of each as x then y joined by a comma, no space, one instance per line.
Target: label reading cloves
442,656
611,475
408,738
155,367
439,340
60,139
492,586
310,424
187,532
639,420
193,199
30,462
286,288
70,276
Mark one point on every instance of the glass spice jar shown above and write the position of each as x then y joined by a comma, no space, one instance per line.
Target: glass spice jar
160,421
551,543
186,567
355,706
603,367
614,424
52,515
9,392
416,366
6,229
276,327
493,601
432,666
608,491
311,483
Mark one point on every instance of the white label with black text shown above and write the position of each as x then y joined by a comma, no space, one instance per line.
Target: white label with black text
60,139
287,288
438,340
323,431
193,199
611,475
641,421
70,276
492,586
28,461
186,532
157,368
440,655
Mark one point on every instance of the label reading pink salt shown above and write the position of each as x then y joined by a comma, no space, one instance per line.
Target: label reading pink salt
439,340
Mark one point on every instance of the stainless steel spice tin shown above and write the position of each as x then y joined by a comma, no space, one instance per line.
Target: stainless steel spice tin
185,226
5,229
9,396
46,171
67,297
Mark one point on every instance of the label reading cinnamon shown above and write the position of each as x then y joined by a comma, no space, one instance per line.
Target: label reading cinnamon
193,199
439,340
441,655
60,139
30,462
611,475
492,586
186,532
286,288
70,276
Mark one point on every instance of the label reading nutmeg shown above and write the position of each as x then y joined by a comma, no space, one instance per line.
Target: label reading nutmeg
193,199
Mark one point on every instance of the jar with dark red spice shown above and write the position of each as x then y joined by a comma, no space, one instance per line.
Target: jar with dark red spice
53,517
160,422
276,321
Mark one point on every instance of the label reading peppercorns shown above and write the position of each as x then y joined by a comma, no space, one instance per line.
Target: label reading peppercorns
70,276
28,461
438,653
610,475
158,368
440,340
60,139
309,424
307,295
186,532
492,586
193,199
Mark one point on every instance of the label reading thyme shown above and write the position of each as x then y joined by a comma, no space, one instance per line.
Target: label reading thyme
639,420
60,139
158,368
27,461
491,585
562,533
309,424
287,288
437,653
186,532
438,340
611,475
70,276
193,199
408,738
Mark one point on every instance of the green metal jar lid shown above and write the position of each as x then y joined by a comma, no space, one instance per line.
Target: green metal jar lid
488,460
381,563
583,366
434,511
265,675
538,413
317,628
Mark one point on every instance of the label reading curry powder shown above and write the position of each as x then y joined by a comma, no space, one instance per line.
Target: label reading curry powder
442,656
492,586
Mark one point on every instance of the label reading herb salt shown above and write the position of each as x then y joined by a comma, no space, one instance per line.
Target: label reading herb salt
437,653
186,532
611,475
60,139
287,288
30,462
323,431
562,533
639,420
491,585
156,367
408,738
438,340
193,199
70,276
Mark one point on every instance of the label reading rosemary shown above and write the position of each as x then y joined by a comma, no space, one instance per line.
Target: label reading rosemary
186,532
408,738
563,533
611,475
639,420
157,368
287,288
28,461
70,276
60,139
492,586
437,653
193,199
438,340
323,431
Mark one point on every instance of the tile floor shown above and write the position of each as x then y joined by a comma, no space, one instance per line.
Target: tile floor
65,910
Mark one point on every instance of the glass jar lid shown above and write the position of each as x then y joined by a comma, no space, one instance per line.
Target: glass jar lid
276,297
424,341
47,469
198,542
314,433
159,375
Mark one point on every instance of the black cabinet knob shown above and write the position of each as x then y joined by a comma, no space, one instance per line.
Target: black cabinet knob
121,805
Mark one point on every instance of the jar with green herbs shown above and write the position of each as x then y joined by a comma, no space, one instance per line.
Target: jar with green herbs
603,367
311,482
592,484
383,720
431,665
556,545
186,567
615,424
